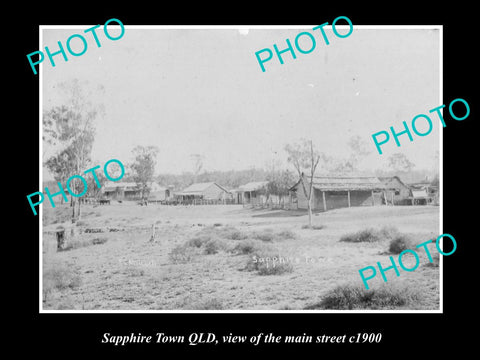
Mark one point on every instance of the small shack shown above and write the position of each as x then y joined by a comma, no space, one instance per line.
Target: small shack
425,193
420,197
208,192
121,191
332,192
132,191
253,193
159,193
397,192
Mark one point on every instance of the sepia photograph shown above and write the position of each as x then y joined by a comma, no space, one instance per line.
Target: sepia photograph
237,169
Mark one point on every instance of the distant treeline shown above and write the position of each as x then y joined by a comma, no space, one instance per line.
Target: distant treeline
230,179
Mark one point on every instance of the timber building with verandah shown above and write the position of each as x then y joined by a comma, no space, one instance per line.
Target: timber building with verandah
333,192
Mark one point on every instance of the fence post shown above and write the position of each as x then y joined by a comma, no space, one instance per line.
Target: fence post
152,237
61,239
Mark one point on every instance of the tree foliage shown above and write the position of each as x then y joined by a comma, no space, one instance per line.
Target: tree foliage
358,149
279,182
143,166
305,159
230,179
400,163
68,132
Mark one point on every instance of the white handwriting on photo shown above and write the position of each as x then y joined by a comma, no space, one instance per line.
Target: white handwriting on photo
273,261
149,263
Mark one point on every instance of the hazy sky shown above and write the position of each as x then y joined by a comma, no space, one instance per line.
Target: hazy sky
201,91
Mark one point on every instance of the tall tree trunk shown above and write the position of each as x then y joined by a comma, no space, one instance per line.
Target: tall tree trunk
309,213
310,195
73,208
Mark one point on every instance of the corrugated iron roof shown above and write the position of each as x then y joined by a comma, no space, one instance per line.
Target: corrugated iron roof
343,183
131,186
387,179
198,188
120,185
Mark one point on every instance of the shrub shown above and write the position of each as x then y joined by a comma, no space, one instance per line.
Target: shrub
209,304
232,233
211,243
389,232
59,276
199,241
98,241
371,234
226,232
263,236
313,227
400,243
246,247
213,246
349,297
181,254
93,230
286,234
366,235
237,235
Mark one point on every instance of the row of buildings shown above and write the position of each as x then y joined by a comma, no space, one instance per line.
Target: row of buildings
329,192
336,192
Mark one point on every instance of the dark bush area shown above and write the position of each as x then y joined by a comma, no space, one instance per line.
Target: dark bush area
353,297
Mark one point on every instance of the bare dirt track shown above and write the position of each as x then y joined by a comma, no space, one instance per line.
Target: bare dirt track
118,268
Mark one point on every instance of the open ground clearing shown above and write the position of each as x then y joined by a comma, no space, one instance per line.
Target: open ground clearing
120,269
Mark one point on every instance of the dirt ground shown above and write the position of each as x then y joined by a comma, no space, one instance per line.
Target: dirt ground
123,270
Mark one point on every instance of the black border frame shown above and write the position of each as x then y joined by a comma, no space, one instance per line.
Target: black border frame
429,333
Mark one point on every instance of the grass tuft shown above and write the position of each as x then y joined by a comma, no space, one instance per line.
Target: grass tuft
371,235
313,227
246,247
182,254
213,246
352,297
287,234
400,243
193,303
233,234
366,235
60,276
263,236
